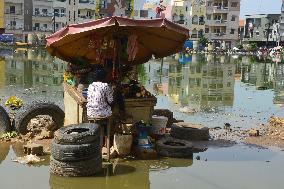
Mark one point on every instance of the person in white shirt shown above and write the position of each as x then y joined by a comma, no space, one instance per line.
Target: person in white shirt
100,97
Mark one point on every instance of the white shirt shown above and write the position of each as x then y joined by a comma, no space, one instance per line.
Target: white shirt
100,95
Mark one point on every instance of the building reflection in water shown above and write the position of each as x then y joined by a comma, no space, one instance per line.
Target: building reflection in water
205,83
30,68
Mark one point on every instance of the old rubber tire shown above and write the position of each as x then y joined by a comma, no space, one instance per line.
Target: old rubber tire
30,111
76,169
170,147
75,152
188,131
5,124
4,150
84,133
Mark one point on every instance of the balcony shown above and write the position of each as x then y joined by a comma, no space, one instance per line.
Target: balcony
14,29
15,12
87,4
59,3
179,21
43,17
216,22
42,29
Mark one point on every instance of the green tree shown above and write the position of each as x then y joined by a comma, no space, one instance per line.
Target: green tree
203,40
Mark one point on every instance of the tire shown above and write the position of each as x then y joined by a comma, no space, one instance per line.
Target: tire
30,111
74,152
76,169
187,131
170,147
4,150
84,133
5,124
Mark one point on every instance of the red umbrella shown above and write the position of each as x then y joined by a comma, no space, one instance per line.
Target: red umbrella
134,41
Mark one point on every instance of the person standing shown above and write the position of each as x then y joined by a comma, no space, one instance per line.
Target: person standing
100,97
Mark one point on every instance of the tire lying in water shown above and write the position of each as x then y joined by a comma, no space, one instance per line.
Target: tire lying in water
75,152
5,124
88,167
30,111
188,131
170,147
84,133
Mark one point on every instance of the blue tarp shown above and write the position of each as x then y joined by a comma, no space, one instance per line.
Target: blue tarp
185,58
188,44
6,38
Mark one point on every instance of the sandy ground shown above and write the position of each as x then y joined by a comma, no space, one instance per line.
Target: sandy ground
273,135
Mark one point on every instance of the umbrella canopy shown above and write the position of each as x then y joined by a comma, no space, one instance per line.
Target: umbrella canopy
158,37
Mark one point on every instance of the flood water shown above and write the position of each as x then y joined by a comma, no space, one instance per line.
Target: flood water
238,90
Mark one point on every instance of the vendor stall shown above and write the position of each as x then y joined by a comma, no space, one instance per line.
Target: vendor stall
76,112
115,44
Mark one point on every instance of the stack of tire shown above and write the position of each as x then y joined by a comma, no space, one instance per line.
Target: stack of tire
5,124
76,151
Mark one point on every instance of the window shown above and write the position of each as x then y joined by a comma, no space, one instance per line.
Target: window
217,30
37,25
13,23
74,15
12,9
209,4
257,33
234,4
79,12
206,30
104,5
186,8
208,16
69,2
229,84
74,2
56,12
62,12
233,18
36,11
44,11
45,26
232,31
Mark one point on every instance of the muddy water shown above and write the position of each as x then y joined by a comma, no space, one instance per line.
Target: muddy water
220,89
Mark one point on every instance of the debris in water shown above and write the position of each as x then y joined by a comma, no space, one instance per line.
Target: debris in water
28,159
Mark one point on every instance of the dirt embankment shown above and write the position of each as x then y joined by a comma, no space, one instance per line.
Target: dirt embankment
273,135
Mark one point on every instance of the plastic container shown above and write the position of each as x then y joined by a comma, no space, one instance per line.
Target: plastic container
159,124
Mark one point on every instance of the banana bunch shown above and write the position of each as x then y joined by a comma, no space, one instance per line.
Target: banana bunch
9,135
14,102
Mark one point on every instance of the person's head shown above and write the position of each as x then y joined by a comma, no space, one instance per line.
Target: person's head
100,75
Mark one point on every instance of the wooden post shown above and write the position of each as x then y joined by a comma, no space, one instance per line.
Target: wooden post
108,140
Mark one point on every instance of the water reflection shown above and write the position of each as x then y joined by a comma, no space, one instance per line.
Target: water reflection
29,67
208,81
125,174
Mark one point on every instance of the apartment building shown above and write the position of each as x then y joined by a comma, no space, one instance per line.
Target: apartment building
180,12
222,21
282,20
2,20
198,12
262,28
14,17
108,8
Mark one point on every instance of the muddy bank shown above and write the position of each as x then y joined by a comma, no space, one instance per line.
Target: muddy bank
273,135
265,135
